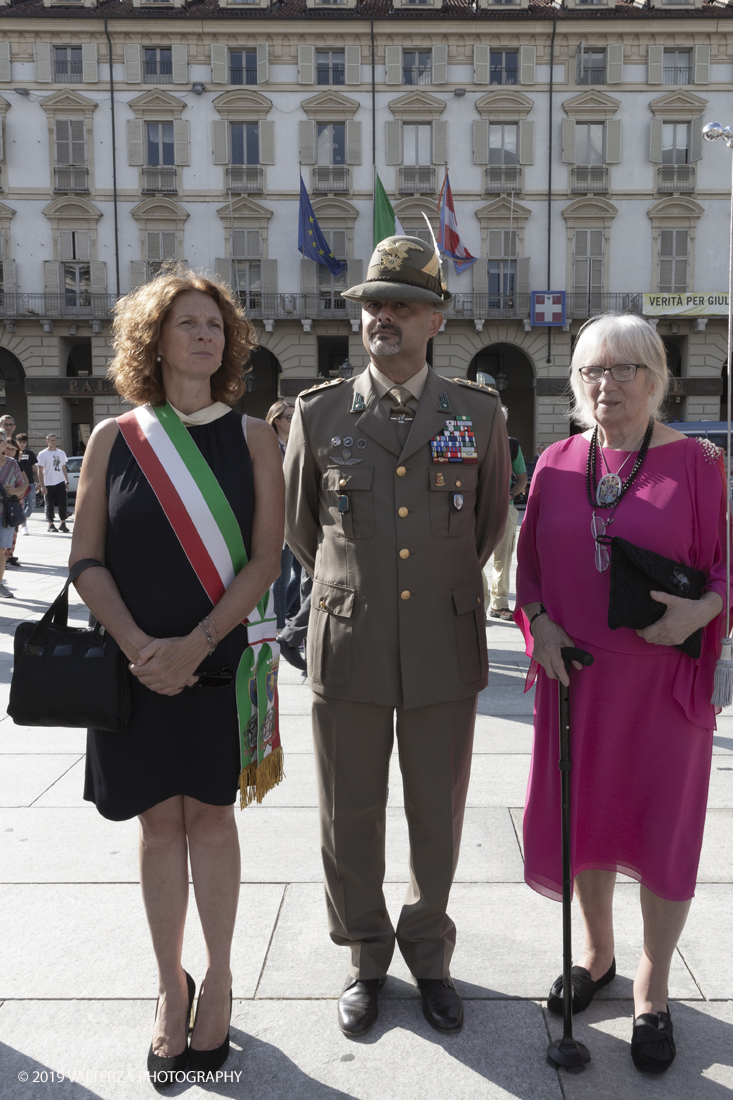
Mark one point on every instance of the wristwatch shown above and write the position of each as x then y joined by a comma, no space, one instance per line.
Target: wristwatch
542,611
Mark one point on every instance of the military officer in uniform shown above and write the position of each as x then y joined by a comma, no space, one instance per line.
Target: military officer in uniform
396,496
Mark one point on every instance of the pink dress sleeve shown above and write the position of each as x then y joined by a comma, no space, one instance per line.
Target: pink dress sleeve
529,580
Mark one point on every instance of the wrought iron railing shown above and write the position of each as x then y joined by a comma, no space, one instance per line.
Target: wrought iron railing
65,304
593,76
246,178
502,177
159,179
676,177
330,74
676,74
591,303
420,178
158,72
501,74
593,177
238,75
330,177
417,74
69,72
70,177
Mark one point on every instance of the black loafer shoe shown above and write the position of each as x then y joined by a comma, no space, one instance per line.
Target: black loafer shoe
358,1008
441,1003
584,989
292,655
652,1042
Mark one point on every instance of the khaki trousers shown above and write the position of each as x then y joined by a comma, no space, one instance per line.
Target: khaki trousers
503,562
353,743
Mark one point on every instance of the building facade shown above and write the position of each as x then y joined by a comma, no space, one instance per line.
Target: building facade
573,136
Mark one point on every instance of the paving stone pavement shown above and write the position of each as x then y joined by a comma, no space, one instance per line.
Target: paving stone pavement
77,974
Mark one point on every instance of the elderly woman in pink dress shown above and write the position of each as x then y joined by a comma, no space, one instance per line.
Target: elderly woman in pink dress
641,719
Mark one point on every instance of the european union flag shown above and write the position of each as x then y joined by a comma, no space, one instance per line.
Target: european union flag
311,241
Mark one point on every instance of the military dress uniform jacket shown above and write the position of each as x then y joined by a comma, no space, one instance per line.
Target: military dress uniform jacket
397,608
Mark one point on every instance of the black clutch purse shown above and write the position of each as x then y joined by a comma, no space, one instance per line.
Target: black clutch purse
12,510
635,572
69,675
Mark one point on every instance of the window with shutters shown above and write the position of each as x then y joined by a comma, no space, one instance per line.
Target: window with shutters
417,174
502,268
330,67
587,271
244,173
68,65
247,268
158,66
242,66
504,67
675,143
76,279
590,172
70,171
417,66
159,173
673,249
331,172
676,67
160,248
591,67
503,172
329,285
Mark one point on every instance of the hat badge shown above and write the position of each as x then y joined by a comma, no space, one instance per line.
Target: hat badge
394,253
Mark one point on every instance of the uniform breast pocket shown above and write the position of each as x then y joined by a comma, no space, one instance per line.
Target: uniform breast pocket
350,498
473,658
452,499
329,633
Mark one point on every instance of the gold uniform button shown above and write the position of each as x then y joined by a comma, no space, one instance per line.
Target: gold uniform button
322,603
401,471
342,482
479,600
403,511
458,484
404,553
404,595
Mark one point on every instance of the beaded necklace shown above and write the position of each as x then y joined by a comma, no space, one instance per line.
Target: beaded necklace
591,470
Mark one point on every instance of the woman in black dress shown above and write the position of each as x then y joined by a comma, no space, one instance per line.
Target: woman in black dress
183,340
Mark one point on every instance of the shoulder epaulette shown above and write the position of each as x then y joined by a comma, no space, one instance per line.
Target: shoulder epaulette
322,386
475,386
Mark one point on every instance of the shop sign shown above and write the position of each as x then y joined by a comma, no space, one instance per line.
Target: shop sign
686,305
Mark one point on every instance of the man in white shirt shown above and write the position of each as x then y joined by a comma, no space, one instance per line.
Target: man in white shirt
54,483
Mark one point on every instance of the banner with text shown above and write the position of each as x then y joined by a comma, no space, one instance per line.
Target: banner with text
686,305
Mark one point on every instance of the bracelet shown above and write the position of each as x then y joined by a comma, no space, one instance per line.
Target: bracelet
206,625
542,611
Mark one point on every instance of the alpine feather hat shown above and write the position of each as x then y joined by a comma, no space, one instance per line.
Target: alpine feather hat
402,269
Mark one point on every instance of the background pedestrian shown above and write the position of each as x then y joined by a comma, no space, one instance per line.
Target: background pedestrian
54,483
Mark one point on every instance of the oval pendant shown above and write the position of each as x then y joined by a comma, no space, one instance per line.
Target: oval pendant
609,489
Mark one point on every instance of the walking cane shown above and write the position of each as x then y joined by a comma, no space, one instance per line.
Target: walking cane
567,1051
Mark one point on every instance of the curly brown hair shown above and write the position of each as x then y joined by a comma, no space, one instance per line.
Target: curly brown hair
139,318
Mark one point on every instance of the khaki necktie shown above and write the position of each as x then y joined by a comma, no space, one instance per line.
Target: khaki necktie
402,411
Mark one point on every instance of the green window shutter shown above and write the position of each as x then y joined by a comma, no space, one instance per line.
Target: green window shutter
42,55
223,268
83,244
613,141
440,141
480,142
219,63
526,142
66,244
527,59
98,276
353,142
496,241
353,64
89,67
701,64
263,63
568,141
50,277
655,140
181,141
5,72
267,141
219,141
654,64
481,61
696,139
168,241
133,63
307,131
135,141
180,63
394,142
440,64
615,63
306,64
393,62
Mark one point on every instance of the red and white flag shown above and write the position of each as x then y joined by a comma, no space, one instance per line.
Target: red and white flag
449,239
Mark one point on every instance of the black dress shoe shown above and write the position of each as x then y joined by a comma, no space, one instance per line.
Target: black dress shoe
209,1061
584,989
162,1071
652,1042
358,1008
292,655
441,1003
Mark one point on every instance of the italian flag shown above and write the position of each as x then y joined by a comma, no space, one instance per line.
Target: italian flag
386,222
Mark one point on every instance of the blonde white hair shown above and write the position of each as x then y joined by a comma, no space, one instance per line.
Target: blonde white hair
626,338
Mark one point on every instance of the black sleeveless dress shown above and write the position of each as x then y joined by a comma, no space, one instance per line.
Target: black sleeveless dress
186,743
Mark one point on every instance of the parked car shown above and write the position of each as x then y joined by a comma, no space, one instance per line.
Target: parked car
716,430
73,465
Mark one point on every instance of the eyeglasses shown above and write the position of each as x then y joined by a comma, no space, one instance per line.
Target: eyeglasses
620,372
598,527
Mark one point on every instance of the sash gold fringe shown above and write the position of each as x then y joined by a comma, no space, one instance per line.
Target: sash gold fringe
255,781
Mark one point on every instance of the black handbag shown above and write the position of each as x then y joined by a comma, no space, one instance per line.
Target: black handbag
635,572
69,675
12,510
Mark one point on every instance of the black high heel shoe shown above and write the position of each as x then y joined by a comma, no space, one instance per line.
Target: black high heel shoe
209,1061
162,1071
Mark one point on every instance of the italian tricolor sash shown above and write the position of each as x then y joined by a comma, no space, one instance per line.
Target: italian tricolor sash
208,531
